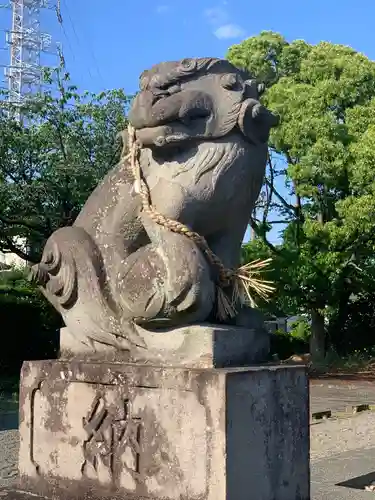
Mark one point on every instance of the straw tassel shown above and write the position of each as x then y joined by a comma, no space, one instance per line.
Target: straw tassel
247,284
246,281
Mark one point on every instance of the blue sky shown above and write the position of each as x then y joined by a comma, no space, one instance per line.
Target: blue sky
107,44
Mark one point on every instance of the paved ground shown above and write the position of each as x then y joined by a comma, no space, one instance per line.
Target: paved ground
8,456
344,476
337,395
342,449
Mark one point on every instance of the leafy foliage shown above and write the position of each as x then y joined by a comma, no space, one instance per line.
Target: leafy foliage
50,163
29,324
300,329
284,345
324,144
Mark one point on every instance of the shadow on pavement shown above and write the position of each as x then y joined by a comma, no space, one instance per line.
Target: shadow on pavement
359,482
8,420
8,412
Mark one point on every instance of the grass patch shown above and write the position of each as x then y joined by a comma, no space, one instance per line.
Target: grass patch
358,362
8,405
9,387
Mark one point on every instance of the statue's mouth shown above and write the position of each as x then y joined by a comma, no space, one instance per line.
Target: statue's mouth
164,121
173,134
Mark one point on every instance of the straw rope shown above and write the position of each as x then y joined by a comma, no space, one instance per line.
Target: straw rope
242,280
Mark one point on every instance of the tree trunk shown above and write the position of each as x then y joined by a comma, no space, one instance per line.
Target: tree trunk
337,330
252,230
318,336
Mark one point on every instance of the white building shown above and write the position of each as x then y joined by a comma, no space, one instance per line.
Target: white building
8,260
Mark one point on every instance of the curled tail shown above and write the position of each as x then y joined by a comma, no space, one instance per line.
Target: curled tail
56,273
72,276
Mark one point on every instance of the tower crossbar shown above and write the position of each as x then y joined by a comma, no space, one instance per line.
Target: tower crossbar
26,41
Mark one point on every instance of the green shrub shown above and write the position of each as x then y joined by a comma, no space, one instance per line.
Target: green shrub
29,325
301,330
285,345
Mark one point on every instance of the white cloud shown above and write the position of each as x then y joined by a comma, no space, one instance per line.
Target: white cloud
161,9
227,31
220,20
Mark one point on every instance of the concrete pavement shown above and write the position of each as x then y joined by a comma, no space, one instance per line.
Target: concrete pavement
337,395
343,476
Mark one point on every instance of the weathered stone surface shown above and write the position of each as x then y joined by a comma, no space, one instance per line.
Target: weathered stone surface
194,346
118,273
15,494
115,430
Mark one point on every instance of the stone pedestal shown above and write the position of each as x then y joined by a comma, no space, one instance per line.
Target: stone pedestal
193,346
126,430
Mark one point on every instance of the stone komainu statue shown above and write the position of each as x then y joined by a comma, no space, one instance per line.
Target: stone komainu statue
118,275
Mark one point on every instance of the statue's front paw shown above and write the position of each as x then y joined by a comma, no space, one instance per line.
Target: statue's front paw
38,274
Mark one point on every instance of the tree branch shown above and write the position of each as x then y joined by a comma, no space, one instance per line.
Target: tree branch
27,225
277,222
17,251
255,228
271,185
269,190
298,205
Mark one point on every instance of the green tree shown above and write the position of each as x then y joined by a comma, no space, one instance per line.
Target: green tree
50,163
323,150
29,324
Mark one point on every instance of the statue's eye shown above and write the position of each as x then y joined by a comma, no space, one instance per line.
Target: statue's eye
229,81
188,64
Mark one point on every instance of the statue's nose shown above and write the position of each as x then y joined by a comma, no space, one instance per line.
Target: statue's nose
150,110
141,109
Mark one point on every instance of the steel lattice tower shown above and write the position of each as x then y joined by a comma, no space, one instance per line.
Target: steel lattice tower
26,43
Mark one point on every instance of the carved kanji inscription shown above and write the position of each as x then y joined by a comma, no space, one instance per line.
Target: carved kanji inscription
113,441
